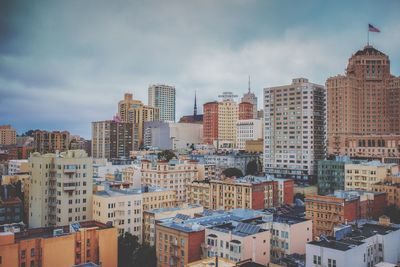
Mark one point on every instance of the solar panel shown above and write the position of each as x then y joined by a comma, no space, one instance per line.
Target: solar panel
247,228
182,216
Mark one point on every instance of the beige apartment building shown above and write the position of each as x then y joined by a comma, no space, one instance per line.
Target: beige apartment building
158,197
174,175
134,111
8,135
363,107
64,246
364,175
228,115
122,209
60,190
150,218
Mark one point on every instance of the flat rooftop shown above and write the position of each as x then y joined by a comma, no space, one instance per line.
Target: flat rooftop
342,245
161,210
48,232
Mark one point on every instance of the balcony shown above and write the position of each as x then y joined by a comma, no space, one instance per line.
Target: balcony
69,169
69,186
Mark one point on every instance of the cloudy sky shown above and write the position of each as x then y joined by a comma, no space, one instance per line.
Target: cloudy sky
64,64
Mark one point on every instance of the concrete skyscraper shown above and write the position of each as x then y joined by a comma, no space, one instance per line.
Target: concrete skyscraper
363,108
294,133
163,97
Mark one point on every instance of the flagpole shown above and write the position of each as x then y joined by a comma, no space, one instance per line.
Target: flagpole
368,36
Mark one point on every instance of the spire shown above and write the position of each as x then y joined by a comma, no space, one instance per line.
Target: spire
249,83
195,105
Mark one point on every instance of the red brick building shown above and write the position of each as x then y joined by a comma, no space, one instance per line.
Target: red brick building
342,207
245,111
210,122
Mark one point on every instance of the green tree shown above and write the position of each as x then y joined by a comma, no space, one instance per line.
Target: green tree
299,196
393,212
166,155
128,246
232,172
146,256
252,168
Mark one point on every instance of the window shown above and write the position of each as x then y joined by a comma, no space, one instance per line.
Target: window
23,254
32,252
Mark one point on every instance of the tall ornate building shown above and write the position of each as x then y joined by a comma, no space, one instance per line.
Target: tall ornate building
251,98
134,111
362,108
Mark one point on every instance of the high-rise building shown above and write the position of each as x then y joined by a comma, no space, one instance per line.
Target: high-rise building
163,97
134,111
362,107
294,135
8,135
251,98
60,191
210,122
245,111
112,139
50,142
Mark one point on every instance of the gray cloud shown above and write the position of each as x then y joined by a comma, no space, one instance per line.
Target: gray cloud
65,64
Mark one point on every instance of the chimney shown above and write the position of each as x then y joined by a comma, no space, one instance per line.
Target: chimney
384,220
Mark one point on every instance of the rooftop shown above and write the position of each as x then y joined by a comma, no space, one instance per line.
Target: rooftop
199,224
161,210
48,232
288,219
369,50
356,237
129,191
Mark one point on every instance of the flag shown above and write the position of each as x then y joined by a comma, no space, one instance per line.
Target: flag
371,28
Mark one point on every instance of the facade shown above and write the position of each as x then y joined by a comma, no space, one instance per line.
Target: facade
254,146
289,235
8,135
210,122
245,111
248,192
342,207
228,115
158,198
239,241
112,139
134,111
390,186
368,245
180,242
174,175
60,190
248,130
294,133
51,142
362,176
62,246
223,161
11,210
163,97
151,217
172,136
122,209
331,174
18,166
362,107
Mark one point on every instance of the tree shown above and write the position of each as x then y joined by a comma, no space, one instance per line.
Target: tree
393,212
146,256
166,155
252,168
127,248
299,196
232,172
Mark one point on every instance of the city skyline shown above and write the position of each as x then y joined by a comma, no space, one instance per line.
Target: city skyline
64,66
